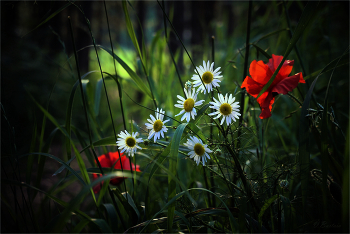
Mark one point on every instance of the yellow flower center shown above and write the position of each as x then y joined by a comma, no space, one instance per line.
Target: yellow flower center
157,126
207,77
130,141
189,104
199,149
225,109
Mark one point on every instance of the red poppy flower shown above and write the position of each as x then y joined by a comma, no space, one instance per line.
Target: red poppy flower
107,160
261,73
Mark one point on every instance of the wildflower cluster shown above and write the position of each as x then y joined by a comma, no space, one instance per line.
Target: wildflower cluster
206,79
224,107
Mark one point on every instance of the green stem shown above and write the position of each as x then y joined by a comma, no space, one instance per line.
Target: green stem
86,117
119,91
245,71
183,45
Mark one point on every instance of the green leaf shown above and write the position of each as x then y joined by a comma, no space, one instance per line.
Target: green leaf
174,151
233,223
98,97
76,201
308,12
133,216
102,224
338,62
58,201
131,203
304,149
112,216
51,16
268,56
103,142
79,159
287,213
58,160
69,118
265,206
132,74
80,226
131,30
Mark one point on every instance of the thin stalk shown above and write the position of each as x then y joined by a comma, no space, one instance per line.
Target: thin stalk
182,45
211,121
243,179
13,153
115,69
143,56
171,53
245,70
207,186
295,47
87,120
119,91
16,202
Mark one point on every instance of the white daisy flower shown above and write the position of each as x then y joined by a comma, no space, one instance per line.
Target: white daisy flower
198,151
225,107
188,104
157,125
210,77
128,143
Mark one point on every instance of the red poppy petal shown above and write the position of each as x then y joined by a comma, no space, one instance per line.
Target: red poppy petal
252,87
105,160
286,68
265,101
288,84
259,72
301,78
274,62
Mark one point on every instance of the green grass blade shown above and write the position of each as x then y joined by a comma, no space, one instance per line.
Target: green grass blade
102,224
131,31
51,16
133,216
308,13
304,149
78,228
132,74
174,151
112,216
83,144
98,97
69,118
265,206
76,201
271,34
58,160
344,60
267,55
63,167
79,159
131,201
58,201
287,214
30,157
233,223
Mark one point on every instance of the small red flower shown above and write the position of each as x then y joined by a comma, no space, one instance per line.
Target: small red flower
107,160
261,73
